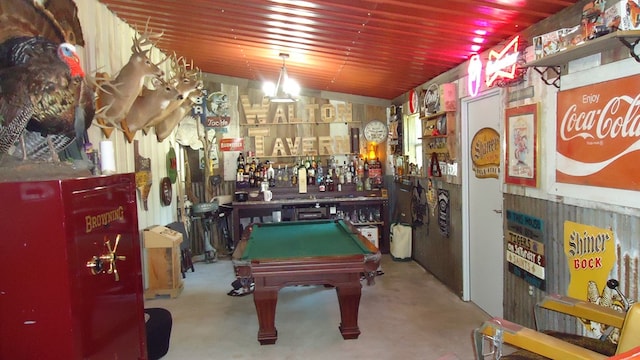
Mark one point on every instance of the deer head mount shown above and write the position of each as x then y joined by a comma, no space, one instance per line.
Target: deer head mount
117,95
186,80
149,104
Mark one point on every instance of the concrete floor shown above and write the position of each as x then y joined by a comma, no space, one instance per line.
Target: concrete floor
407,314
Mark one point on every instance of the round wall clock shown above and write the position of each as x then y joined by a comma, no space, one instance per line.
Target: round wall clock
376,131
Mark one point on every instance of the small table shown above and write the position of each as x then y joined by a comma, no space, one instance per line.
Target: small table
326,252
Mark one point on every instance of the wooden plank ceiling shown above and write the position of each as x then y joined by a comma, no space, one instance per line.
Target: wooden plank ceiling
375,48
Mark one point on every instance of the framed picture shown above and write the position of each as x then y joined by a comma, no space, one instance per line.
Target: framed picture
521,150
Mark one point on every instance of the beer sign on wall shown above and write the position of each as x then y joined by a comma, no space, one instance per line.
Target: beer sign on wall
591,255
598,136
485,153
212,109
502,68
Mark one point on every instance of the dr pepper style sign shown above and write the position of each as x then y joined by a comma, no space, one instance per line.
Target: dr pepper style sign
598,134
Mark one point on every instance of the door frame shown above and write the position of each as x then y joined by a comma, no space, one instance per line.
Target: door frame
466,176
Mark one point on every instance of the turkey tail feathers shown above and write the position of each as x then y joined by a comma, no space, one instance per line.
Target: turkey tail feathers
28,18
66,14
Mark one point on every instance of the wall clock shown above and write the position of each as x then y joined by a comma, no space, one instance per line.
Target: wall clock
376,131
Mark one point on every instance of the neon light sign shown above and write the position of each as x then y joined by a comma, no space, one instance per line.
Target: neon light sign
502,64
474,72
501,69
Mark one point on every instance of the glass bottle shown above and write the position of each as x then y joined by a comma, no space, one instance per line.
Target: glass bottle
359,184
302,180
330,180
294,176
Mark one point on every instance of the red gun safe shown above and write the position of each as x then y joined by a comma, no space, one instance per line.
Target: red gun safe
70,270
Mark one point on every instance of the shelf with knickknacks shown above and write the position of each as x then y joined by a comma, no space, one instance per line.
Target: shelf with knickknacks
438,141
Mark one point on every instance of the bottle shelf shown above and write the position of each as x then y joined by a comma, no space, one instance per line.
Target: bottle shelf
302,123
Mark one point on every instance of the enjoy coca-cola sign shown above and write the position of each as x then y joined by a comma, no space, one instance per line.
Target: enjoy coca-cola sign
598,134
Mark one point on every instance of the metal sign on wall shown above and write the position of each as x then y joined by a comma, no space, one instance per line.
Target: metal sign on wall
485,153
591,255
212,109
525,250
598,137
444,217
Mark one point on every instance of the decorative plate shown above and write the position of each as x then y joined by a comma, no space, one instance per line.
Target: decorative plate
166,191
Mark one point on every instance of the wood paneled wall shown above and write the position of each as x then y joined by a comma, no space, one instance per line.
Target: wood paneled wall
440,255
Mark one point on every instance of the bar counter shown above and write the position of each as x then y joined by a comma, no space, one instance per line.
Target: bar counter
316,205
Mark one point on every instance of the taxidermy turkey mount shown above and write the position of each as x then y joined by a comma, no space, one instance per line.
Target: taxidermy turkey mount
46,104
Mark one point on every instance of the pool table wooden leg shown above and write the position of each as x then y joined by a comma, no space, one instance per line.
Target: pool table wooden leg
265,301
349,299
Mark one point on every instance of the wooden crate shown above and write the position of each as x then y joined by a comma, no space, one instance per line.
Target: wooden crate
163,262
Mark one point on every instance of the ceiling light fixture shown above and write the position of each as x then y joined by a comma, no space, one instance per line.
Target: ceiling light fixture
286,90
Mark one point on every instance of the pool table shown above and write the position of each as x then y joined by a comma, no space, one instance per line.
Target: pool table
324,252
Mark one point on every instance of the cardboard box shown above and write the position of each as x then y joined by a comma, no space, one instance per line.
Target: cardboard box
569,37
592,20
448,97
623,15
557,40
546,44
371,233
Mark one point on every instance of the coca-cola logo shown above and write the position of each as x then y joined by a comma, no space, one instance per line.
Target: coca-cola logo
617,118
598,134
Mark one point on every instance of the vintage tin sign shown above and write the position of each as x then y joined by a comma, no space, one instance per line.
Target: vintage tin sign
598,134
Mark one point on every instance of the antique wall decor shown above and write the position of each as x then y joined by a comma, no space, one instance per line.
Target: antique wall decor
521,150
485,153
598,134
525,248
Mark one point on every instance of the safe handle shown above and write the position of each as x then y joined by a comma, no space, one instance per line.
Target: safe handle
107,263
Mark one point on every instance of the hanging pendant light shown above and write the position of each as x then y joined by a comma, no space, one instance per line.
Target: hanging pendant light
286,90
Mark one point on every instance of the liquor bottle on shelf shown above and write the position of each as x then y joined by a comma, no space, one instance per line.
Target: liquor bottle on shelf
280,174
311,174
294,176
240,160
302,180
322,187
330,180
319,173
271,175
360,168
367,183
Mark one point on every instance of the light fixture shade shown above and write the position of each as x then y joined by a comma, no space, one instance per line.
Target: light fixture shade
286,90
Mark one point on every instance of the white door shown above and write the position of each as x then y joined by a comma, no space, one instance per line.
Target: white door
482,215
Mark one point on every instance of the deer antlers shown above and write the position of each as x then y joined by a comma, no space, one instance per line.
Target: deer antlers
116,96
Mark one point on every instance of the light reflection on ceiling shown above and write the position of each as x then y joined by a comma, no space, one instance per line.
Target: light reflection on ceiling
374,48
